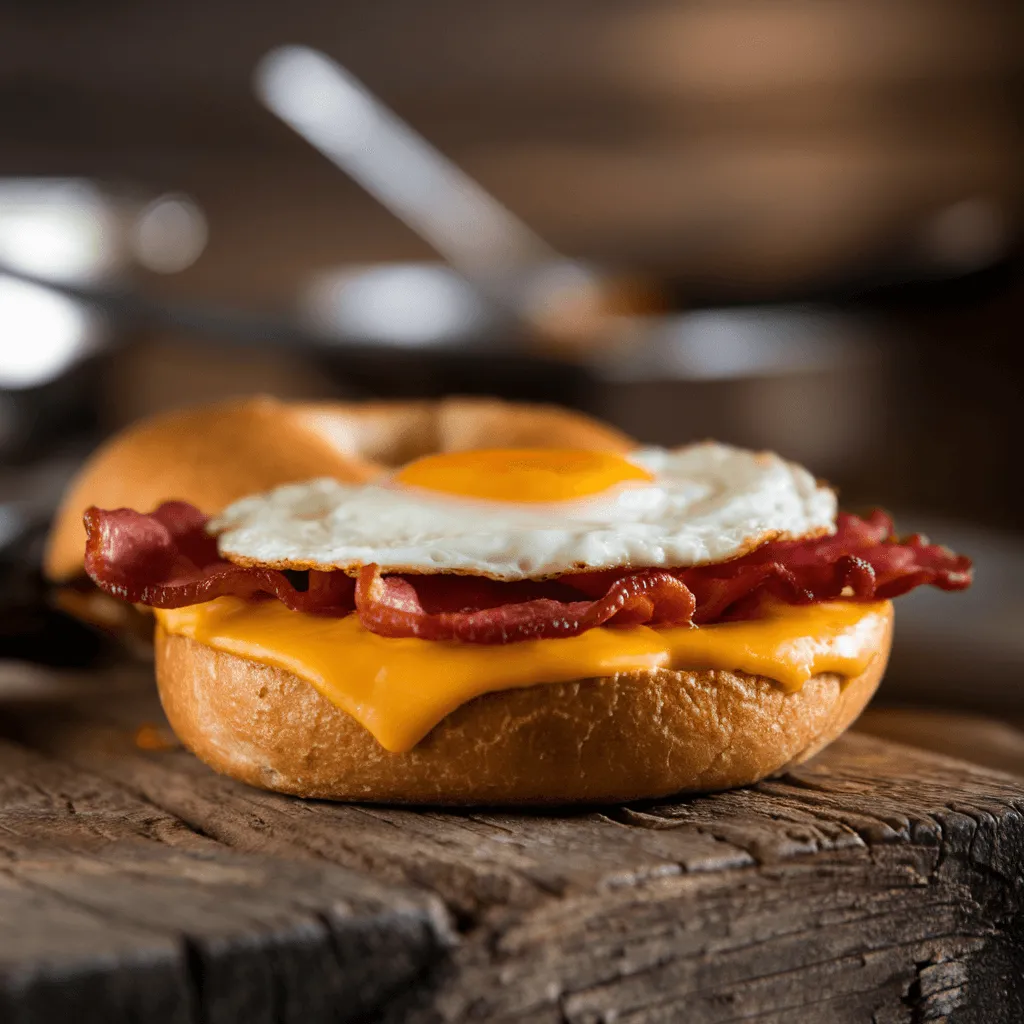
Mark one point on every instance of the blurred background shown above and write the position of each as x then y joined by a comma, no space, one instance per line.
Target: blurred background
794,225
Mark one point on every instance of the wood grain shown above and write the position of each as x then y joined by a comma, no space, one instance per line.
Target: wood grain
879,883
115,910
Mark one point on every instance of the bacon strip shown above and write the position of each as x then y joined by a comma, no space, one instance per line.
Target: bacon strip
862,561
392,606
167,560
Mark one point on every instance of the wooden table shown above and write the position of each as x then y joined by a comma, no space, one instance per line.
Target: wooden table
881,883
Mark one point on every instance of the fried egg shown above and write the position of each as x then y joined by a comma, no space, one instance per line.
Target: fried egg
513,514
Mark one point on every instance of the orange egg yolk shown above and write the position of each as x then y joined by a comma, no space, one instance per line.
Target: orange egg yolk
522,474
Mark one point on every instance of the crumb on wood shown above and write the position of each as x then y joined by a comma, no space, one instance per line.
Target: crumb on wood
150,736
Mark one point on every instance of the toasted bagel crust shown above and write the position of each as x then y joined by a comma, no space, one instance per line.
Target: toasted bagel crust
214,454
393,433
623,737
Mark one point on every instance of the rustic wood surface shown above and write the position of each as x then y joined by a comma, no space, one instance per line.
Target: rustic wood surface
881,883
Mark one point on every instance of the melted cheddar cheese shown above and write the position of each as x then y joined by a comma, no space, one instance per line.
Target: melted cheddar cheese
399,689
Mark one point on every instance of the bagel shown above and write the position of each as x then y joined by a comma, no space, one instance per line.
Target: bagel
298,700
622,737
214,454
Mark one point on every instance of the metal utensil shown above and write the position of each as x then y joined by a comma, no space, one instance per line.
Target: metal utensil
342,119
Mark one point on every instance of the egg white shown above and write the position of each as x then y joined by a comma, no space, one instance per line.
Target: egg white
707,503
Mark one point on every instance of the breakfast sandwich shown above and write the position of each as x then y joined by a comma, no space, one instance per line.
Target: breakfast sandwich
522,624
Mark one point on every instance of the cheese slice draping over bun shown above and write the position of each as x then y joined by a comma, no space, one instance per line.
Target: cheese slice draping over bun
618,737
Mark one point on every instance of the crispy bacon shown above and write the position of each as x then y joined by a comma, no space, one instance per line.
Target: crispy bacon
393,606
862,561
167,560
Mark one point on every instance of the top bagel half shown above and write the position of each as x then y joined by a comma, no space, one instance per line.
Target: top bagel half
211,455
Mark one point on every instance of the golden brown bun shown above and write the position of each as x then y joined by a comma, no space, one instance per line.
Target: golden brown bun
641,734
393,433
211,456
215,454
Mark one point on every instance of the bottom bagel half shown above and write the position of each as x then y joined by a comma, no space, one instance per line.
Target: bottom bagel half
623,737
